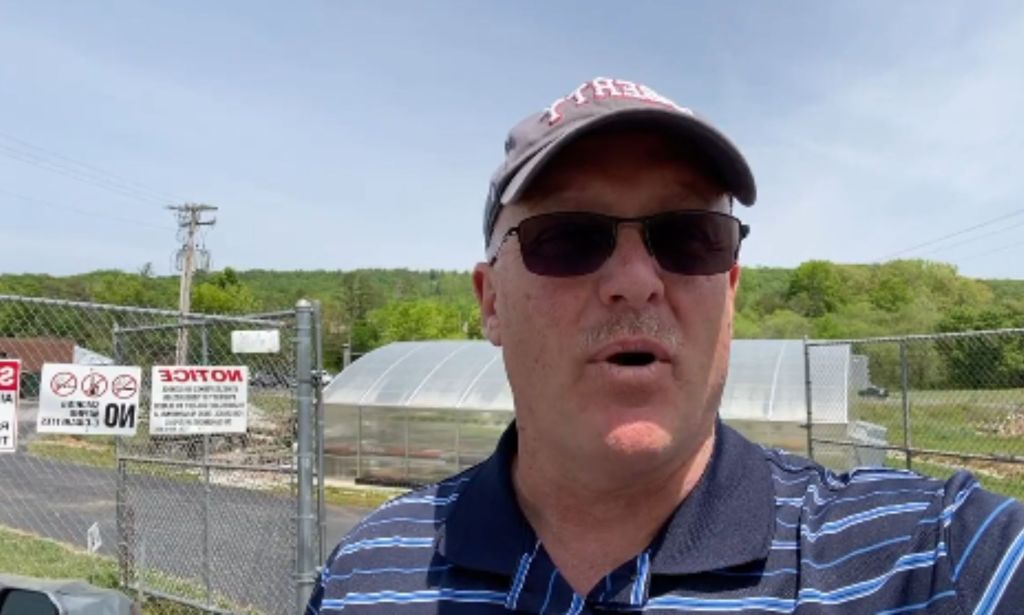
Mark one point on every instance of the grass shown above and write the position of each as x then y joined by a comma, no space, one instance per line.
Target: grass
74,450
98,453
360,497
28,555
977,422
956,426
1012,487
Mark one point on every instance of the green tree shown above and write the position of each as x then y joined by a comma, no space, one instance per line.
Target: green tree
224,293
420,319
785,324
816,288
991,361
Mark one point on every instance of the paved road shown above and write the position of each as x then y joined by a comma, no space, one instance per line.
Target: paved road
251,533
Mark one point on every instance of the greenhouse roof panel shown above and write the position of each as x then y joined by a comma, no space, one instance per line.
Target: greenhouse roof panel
766,379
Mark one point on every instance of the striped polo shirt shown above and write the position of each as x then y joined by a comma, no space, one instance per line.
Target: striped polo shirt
762,532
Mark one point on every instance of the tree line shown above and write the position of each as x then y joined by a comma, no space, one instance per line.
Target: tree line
818,299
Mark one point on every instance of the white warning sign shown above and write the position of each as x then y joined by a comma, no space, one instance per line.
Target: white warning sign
98,400
10,378
199,399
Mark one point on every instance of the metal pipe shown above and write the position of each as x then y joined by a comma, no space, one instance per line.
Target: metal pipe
207,575
205,341
318,347
305,566
207,581
458,443
807,398
405,440
359,442
904,386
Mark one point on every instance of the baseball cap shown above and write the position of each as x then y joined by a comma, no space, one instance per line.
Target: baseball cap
600,103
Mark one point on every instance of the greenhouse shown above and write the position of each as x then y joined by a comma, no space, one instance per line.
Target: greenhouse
414,412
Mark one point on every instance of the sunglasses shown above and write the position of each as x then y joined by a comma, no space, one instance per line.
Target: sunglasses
687,242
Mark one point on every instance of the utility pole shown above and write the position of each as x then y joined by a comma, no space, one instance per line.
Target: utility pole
189,258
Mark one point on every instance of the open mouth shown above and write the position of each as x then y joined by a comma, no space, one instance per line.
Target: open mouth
632,359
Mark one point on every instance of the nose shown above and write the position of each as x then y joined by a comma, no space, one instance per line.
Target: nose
631,276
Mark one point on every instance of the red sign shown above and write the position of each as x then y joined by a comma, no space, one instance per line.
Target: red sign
10,373
201,374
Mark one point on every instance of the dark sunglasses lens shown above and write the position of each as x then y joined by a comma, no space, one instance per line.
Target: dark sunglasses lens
565,244
698,243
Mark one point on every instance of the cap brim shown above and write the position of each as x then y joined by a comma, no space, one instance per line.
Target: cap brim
725,158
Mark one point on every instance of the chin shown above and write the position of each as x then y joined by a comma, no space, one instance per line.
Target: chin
639,437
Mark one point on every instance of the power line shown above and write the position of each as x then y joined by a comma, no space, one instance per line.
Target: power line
973,239
80,211
999,249
100,182
135,185
954,234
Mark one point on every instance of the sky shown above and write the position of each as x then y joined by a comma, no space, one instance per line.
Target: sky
343,134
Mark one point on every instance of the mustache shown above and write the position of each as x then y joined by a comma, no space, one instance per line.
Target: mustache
629,324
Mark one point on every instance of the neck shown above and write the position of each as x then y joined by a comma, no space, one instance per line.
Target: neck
591,520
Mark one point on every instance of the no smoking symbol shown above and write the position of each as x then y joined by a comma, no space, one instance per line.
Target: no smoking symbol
63,383
94,385
124,386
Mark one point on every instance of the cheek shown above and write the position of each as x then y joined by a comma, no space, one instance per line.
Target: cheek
537,318
703,309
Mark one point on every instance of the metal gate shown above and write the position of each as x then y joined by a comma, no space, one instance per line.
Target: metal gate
224,523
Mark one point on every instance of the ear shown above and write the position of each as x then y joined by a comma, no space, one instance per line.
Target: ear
734,279
486,298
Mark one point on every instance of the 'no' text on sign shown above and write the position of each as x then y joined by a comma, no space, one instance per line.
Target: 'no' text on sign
89,399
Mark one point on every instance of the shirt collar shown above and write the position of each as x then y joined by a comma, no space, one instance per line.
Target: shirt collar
727,520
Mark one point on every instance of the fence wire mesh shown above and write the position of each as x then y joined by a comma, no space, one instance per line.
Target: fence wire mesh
934,404
207,521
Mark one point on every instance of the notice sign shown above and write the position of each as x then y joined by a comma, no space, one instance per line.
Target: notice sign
10,378
99,400
199,399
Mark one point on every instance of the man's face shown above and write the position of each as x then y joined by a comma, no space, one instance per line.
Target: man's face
563,338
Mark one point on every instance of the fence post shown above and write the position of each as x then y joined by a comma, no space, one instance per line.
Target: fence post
405,441
304,564
458,443
807,398
207,576
318,348
905,389
359,442
125,523
205,333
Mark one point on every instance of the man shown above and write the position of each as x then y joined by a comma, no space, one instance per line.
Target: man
610,280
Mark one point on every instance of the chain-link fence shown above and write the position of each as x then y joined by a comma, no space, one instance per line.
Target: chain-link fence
220,522
931,403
